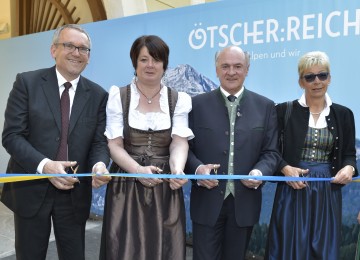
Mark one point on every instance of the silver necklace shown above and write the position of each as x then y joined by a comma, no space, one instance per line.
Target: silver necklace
317,113
149,100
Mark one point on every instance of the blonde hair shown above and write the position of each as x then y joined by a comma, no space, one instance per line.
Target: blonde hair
313,58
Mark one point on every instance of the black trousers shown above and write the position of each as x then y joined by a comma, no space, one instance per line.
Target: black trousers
32,234
224,241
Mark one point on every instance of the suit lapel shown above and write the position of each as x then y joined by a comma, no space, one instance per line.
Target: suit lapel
51,91
82,95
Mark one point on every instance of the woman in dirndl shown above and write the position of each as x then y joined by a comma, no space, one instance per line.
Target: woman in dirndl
147,130
318,142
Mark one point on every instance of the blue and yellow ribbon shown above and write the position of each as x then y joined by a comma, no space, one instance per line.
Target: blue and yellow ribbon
14,177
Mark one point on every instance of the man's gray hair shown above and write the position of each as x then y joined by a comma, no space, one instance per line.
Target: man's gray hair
69,26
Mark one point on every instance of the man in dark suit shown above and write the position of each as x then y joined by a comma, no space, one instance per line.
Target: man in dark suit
235,133
32,135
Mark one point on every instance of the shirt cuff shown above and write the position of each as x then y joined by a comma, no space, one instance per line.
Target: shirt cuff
255,172
196,174
41,165
198,168
97,164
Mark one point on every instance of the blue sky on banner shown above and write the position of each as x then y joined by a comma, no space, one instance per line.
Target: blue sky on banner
275,39
275,33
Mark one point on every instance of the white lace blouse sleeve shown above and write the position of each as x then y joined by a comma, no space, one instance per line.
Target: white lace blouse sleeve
114,114
181,116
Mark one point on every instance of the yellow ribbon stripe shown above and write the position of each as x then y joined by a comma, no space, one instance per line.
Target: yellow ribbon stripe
21,178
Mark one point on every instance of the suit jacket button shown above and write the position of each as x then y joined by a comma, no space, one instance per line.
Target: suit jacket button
57,139
226,132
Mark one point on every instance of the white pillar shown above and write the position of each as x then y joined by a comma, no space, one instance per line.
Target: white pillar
5,19
121,8
196,2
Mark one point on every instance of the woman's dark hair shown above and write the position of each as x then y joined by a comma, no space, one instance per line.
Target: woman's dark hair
157,48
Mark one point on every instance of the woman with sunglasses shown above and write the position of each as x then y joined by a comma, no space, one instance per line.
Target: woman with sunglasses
318,142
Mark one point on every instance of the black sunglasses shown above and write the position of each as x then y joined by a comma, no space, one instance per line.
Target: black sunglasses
311,77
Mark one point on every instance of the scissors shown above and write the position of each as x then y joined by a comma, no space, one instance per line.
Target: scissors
74,170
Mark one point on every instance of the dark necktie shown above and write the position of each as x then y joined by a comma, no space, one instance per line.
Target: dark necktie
65,112
231,98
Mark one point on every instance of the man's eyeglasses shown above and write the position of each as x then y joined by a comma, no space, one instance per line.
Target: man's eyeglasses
70,48
311,77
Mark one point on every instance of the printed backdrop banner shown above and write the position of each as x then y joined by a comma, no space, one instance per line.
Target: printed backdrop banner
275,33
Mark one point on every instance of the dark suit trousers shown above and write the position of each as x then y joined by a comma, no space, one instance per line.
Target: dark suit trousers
32,234
224,241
